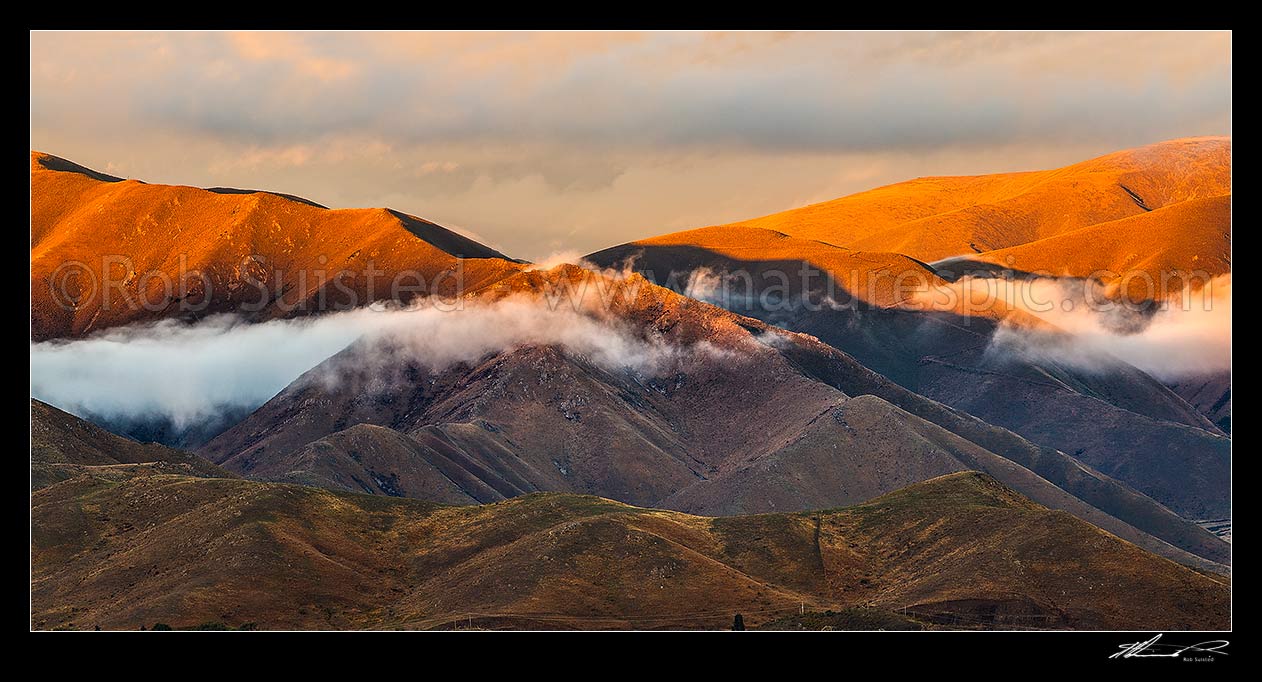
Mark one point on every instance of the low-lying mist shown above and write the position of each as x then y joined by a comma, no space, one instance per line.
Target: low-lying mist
1188,334
183,373
191,373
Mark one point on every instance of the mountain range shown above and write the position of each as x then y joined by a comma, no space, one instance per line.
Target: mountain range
654,451
121,547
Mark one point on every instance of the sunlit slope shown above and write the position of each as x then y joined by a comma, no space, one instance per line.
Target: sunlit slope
939,217
106,252
1188,241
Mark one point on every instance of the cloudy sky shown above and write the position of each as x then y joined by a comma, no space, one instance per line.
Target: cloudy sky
544,142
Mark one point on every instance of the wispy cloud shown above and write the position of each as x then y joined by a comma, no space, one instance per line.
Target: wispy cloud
1185,334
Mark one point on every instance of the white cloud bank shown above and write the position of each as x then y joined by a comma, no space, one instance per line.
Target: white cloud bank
1187,335
192,373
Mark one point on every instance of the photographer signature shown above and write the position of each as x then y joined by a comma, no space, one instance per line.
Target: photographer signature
1153,649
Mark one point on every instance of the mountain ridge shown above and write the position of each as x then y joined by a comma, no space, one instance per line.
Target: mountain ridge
282,556
933,218
139,251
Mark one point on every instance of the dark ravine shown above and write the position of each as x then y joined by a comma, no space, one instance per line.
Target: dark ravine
1139,201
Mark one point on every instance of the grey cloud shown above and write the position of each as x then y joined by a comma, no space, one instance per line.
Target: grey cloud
554,141
835,92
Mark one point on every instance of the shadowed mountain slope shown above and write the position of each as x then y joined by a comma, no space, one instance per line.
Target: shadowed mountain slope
780,266
738,397
62,445
1210,395
1120,421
